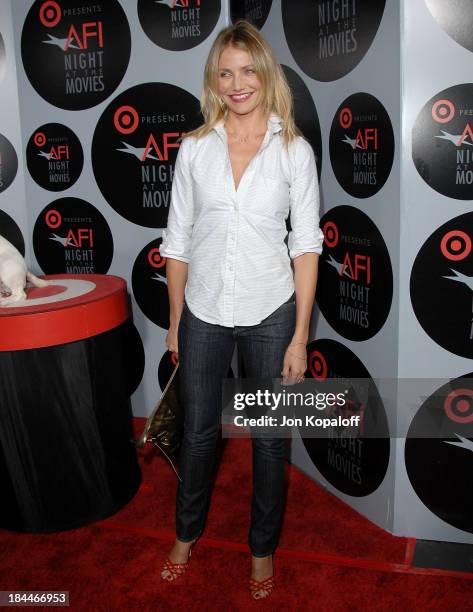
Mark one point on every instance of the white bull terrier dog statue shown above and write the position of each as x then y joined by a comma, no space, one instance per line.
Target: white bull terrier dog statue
14,274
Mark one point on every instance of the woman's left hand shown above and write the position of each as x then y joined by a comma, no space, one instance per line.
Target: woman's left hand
295,364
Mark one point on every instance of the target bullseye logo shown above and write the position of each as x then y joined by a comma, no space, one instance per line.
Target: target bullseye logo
75,57
346,118
254,11
318,365
155,259
328,39
8,163
443,111
134,149
50,14
10,230
459,405
355,283
178,25
305,113
456,18
39,139
126,119
442,274
442,142
53,219
361,145
331,234
354,464
150,285
440,443
455,245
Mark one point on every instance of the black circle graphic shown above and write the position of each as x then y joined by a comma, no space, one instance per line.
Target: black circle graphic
177,25
254,11
361,145
134,149
150,285
355,285
328,38
354,465
456,18
305,113
54,157
8,163
448,453
134,357
442,142
71,236
442,286
10,230
75,57
3,59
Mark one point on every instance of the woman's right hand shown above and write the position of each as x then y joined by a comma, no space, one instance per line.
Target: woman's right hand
171,341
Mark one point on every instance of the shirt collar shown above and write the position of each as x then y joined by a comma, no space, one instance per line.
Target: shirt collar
274,125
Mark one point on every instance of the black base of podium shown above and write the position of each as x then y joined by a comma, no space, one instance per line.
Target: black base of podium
67,456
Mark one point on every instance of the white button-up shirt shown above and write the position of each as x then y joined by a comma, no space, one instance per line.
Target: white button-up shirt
234,239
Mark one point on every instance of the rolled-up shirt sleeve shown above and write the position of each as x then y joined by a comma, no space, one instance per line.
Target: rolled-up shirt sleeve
176,237
305,235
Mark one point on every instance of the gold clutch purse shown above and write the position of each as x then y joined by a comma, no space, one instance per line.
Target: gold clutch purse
165,424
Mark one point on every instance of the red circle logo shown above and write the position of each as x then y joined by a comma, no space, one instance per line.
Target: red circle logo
53,219
443,111
455,245
331,235
458,405
346,117
126,119
50,14
39,139
318,366
155,259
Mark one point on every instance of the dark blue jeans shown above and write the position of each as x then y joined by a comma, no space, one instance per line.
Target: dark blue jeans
205,353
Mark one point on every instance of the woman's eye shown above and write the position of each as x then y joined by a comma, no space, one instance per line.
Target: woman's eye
250,70
224,74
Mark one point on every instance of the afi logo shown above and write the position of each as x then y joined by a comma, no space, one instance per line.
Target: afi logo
80,238
169,140
357,268
365,137
60,152
90,29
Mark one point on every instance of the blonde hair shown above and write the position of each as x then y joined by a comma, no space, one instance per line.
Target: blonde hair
277,96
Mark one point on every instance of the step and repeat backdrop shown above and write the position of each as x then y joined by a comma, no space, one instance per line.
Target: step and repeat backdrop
106,89
95,97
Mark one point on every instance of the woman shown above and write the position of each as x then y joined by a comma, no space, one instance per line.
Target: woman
237,177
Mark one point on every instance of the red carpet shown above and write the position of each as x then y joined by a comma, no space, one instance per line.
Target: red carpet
330,558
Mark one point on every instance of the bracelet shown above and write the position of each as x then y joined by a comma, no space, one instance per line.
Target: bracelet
296,343
294,355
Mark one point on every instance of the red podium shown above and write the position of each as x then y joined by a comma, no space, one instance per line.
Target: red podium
67,456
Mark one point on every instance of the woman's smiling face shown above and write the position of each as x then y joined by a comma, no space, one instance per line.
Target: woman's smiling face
238,84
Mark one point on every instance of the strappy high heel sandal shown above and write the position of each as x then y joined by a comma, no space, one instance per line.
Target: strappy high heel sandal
174,570
259,589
